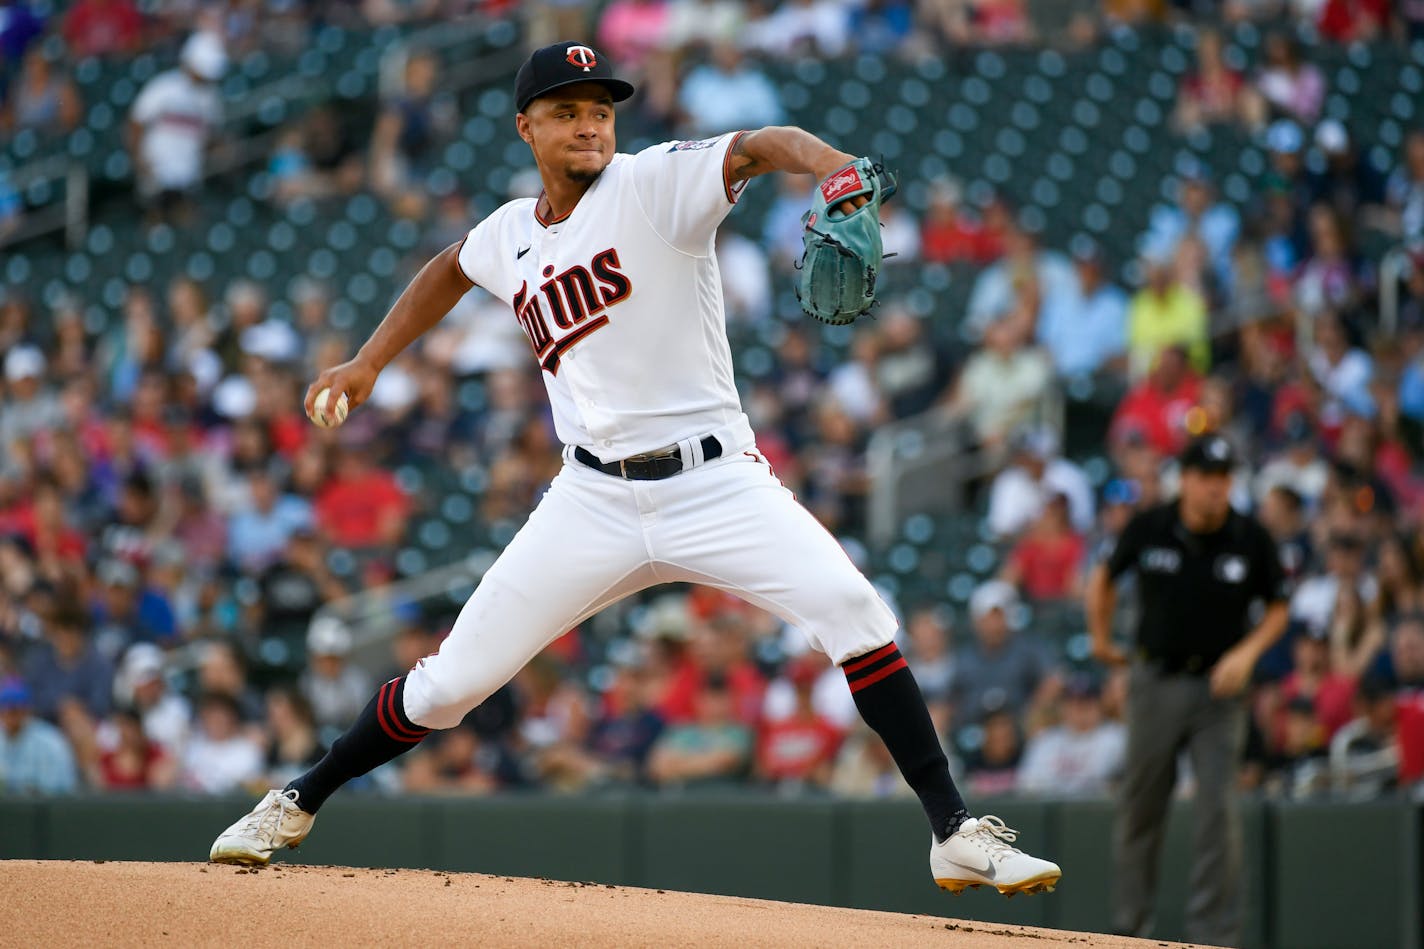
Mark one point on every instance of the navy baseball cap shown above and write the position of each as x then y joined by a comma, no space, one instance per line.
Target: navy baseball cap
564,64
1211,453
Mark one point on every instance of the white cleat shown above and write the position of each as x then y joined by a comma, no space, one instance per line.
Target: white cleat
275,822
981,853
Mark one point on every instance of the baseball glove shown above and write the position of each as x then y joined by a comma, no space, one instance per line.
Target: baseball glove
841,252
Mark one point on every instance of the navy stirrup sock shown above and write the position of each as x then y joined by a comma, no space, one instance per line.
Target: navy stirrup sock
381,733
888,699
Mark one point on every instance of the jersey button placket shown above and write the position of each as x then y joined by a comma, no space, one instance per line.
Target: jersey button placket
587,407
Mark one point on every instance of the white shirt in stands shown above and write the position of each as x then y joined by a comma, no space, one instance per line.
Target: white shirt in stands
621,299
178,116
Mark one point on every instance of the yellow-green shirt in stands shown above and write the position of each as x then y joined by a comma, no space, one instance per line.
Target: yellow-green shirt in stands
1175,318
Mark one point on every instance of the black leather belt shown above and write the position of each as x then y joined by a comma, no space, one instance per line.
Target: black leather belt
652,466
1176,665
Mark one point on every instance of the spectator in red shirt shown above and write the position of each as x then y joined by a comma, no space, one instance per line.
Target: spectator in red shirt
948,235
1352,21
1212,94
1155,410
1047,563
102,27
134,763
57,544
1331,694
995,22
800,749
361,507
715,648
1409,711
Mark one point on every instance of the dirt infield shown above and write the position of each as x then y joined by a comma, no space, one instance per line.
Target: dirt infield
54,903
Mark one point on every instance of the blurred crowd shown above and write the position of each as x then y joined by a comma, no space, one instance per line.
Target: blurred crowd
696,61
171,524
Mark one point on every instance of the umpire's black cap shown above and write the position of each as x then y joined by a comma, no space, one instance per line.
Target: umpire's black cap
564,64
1210,453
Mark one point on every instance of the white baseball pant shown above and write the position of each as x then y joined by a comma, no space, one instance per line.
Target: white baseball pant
594,539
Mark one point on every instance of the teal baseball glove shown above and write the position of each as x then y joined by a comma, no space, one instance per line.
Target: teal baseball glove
842,252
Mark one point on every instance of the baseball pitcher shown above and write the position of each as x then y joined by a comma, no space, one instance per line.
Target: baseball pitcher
611,275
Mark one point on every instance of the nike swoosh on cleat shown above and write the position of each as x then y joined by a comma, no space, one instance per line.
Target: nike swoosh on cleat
522,251
986,870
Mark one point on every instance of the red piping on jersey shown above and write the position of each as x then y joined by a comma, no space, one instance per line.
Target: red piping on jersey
540,218
727,170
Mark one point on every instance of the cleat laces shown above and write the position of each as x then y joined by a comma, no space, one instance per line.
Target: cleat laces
995,836
264,821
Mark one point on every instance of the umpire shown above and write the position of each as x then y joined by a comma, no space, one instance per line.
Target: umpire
1201,569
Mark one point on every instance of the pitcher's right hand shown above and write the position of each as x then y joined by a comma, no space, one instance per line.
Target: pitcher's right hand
355,379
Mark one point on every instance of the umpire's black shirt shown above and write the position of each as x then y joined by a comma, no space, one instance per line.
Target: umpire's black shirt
1195,590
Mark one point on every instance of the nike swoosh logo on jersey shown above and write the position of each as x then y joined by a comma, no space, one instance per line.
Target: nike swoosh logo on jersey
522,251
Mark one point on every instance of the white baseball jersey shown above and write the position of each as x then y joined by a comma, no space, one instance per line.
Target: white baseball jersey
178,115
621,303
621,299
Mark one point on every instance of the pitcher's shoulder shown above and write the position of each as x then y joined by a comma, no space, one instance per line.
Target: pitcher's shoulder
513,209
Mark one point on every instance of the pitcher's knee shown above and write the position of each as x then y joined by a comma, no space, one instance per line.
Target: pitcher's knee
436,699
852,621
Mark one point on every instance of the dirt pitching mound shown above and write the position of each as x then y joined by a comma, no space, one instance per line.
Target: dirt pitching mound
58,903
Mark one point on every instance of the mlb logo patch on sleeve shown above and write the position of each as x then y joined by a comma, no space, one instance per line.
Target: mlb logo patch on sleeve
693,146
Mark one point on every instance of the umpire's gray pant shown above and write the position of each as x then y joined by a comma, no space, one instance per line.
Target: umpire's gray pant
1166,714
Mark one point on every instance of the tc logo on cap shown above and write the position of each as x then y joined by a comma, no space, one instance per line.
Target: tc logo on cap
1218,450
581,56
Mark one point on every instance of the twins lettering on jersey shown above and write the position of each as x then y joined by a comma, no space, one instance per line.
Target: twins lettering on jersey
568,305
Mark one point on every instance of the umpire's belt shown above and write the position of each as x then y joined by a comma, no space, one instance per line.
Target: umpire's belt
649,466
1194,665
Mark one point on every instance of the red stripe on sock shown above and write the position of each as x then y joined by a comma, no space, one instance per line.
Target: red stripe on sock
400,732
381,714
869,659
879,674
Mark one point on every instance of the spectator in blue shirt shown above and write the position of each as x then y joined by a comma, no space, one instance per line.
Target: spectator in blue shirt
781,227
126,612
258,531
1084,332
67,666
881,27
19,26
11,207
1027,274
729,93
1411,390
34,757
1197,214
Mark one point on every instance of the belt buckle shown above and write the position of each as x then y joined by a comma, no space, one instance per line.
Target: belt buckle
646,458
654,455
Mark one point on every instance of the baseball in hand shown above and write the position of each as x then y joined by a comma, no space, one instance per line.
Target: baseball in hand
335,417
